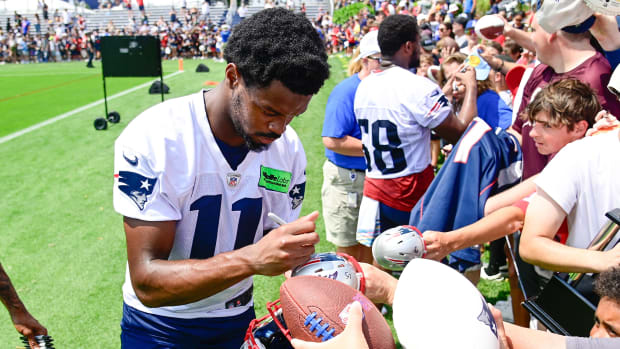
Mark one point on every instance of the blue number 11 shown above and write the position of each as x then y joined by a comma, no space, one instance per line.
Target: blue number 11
209,207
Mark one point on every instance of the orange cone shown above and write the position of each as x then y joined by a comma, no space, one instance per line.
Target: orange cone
181,64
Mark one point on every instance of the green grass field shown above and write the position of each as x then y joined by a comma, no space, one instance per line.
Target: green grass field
62,243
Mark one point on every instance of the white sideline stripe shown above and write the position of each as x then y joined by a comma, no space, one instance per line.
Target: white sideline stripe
18,75
77,110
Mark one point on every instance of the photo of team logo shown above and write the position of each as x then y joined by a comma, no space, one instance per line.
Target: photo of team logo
136,186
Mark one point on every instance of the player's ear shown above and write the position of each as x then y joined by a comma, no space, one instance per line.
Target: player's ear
232,75
580,128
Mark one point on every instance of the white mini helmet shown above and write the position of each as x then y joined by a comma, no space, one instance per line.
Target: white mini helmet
395,247
336,266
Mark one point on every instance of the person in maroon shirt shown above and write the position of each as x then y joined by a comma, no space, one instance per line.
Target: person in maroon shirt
566,53
563,55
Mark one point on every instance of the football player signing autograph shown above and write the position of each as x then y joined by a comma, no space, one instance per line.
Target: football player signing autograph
195,178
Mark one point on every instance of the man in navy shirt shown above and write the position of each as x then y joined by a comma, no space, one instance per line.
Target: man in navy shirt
482,163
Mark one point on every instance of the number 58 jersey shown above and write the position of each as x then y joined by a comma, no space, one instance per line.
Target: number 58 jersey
168,167
396,111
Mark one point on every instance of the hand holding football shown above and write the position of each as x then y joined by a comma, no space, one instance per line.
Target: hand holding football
316,309
489,27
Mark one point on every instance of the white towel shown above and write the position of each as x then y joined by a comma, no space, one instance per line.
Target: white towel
368,223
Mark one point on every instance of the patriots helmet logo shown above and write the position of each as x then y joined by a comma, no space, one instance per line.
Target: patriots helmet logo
486,317
136,186
297,194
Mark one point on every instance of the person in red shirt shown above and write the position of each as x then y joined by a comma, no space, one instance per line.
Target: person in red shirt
350,38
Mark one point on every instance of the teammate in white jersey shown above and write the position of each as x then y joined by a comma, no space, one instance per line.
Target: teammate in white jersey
396,111
195,178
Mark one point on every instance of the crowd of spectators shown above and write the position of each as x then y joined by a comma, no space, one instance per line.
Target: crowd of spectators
192,32
437,20
186,33
562,42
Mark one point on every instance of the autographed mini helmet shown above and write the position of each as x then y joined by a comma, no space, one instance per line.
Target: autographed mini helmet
336,266
395,247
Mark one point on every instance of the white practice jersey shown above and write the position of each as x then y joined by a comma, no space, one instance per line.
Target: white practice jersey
396,111
168,166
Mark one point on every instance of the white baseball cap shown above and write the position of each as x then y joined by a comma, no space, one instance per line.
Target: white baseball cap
555,15
614,82
369,45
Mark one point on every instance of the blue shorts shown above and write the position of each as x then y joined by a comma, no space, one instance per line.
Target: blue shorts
469,254
147,331
391,217
463,265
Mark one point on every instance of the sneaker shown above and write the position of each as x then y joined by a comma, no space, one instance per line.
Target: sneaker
491,273
384,310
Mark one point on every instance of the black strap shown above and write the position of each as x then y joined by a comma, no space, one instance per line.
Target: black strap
241,299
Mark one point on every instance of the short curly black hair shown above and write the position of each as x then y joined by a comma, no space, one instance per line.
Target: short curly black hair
277,44
607,284
396,30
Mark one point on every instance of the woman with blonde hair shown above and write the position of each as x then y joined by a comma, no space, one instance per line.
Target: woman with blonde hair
491,108
355,65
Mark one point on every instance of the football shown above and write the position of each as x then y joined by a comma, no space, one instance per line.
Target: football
430,293
316,309
489,27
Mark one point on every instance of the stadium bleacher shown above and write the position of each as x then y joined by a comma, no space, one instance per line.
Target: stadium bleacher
99,19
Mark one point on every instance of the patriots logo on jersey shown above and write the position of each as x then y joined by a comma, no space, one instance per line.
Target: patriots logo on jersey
297,194
136,186
441,103
487,318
